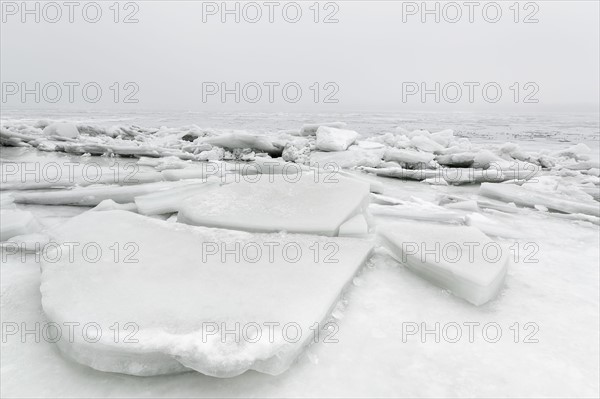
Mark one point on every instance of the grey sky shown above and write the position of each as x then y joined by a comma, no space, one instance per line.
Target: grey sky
368,55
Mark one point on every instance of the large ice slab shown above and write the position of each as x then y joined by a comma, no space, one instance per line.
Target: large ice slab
179,289
459,258
302,203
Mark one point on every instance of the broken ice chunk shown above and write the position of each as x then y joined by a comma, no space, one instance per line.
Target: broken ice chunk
177,292
68,130
424,143
243,140
310,129
408,157
303,203
525,197
355,156
459,258
332,139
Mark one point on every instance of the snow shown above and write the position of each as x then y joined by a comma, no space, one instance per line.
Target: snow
454,257
332,139
175,308
304,203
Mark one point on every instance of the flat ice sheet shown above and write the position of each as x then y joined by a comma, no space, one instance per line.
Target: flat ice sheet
302,203
172,284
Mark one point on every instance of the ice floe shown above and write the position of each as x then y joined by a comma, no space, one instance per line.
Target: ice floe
176,294
303,203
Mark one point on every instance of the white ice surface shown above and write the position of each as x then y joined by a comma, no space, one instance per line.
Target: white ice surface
355,227
175,289
168,201
453,257
304,203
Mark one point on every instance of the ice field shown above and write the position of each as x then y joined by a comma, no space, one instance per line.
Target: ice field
415,256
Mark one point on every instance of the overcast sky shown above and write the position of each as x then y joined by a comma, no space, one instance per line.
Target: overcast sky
377,53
